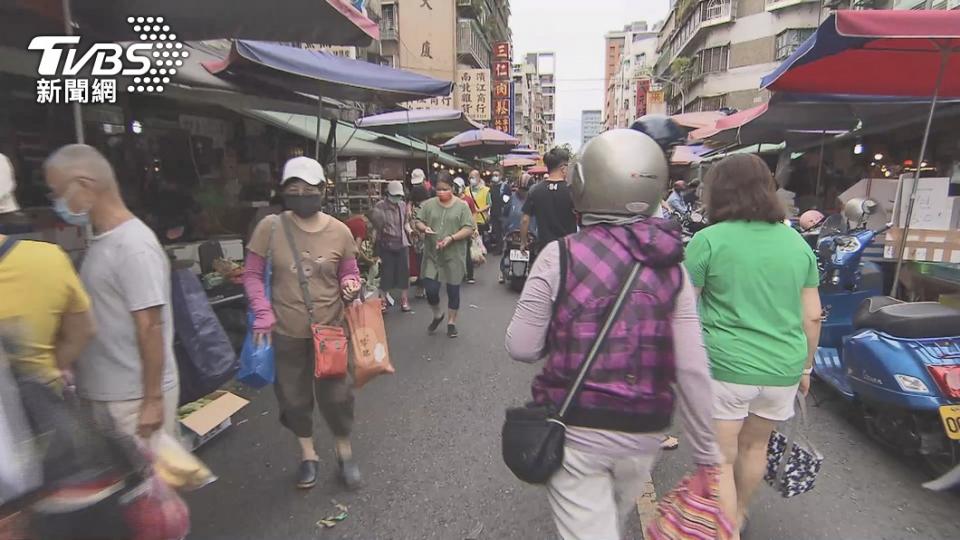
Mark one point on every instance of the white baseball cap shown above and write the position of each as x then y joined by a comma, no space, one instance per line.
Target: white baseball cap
395,187
303,168
8,203
417,177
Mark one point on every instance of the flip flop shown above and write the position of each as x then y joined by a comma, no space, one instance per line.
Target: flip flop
670,443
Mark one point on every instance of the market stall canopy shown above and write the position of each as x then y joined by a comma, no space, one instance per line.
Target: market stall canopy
352,141
325,74
517,162
480,143
518,155
686,155
422,124
697,120
525,150
327,22
798,120
875,53
538,169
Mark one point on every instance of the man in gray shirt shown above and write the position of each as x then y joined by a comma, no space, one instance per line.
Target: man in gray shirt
128,373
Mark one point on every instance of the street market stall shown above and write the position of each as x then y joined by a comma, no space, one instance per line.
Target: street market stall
842,59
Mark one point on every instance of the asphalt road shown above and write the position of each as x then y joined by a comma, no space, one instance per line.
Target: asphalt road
427,439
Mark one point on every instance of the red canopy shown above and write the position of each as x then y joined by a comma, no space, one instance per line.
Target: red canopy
876,53
736,120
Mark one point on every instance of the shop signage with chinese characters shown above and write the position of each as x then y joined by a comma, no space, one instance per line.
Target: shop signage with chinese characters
643,87
442,102
473,93
502,91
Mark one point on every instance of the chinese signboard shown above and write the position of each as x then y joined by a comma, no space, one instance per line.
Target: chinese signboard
443,102
502,92
429,37
655,101
643,87
473,93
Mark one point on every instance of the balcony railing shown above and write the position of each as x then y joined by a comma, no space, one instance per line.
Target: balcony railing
471,42
717,11
388,32
772,5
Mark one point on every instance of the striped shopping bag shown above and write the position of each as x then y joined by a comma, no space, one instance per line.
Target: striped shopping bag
691,511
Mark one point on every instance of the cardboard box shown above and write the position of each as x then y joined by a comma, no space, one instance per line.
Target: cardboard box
924,245
201,426
934,210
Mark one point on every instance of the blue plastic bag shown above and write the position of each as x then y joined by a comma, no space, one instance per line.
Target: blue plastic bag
257,368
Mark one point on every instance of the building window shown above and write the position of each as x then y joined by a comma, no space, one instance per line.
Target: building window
716,9
641,59
713,60
789,40
711,103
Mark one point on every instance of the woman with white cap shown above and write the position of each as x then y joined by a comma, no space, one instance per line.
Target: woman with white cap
305,244
391,221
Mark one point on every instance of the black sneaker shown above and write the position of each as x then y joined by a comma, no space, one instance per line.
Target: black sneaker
307,474
435,324
452,331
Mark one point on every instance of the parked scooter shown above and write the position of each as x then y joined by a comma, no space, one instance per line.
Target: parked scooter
899,362
691,222
515,264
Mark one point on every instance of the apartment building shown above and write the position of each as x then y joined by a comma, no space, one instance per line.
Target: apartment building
628,88
591,124
534,84
713,53
613,50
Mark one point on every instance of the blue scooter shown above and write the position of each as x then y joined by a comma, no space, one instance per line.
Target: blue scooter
899,362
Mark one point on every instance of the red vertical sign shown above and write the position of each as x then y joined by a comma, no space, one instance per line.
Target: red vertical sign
502,96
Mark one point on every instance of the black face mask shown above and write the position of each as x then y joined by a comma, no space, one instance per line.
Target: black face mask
303,205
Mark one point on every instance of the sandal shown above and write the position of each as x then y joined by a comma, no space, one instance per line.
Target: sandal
670,443
406,308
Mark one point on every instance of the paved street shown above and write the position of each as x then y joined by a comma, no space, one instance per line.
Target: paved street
428,441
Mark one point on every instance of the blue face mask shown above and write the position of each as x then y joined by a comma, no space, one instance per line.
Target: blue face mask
62,209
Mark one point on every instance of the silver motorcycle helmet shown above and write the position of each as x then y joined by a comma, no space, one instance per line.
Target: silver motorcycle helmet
620,172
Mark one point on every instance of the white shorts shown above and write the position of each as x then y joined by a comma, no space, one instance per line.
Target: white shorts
735,401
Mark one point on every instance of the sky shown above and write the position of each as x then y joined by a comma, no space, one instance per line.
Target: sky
574,29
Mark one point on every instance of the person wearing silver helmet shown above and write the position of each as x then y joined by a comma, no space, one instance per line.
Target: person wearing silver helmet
616,423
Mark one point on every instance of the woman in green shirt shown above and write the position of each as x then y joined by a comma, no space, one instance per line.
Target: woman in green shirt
447,223
760,313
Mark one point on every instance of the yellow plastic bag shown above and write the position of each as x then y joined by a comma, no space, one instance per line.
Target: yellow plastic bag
176,466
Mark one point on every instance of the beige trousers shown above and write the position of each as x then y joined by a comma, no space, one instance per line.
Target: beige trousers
125,414
593,495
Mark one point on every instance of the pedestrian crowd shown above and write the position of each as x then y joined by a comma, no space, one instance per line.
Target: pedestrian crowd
634,328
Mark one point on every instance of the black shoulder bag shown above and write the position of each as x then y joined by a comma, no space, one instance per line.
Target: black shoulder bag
533,436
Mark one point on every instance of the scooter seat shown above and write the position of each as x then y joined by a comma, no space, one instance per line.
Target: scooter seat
907,319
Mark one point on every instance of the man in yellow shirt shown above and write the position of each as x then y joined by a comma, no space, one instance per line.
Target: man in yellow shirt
43,305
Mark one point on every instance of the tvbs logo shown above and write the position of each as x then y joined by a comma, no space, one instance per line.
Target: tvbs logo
148,64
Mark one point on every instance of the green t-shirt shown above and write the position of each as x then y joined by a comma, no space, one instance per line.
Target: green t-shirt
752,275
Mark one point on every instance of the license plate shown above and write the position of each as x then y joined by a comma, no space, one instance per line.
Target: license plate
517,255
950,414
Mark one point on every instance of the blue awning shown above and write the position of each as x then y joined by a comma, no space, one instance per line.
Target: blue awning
324,74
